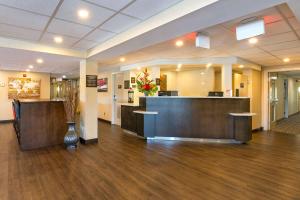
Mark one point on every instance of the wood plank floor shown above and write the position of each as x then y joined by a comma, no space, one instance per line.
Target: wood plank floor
122,166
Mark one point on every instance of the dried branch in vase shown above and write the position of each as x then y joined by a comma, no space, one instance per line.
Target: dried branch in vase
71,103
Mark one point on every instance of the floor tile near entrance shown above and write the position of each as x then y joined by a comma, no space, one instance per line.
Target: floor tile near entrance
290,125
122,166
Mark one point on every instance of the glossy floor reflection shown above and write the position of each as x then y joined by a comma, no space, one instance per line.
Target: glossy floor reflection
122,166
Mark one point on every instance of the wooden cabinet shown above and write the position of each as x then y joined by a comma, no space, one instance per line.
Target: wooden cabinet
128,118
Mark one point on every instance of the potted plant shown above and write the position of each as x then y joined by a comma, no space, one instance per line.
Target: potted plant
70,105
145,84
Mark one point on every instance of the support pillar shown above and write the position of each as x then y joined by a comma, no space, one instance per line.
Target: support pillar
88,104
227,79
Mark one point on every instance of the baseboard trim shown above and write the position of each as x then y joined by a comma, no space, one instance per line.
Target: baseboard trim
104,120
90,141
258,129
296,113
6,121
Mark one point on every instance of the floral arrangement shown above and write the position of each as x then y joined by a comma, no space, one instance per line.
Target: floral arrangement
145,84
71,103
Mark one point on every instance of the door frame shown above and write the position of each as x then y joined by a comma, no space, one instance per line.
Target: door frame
113,102
265,93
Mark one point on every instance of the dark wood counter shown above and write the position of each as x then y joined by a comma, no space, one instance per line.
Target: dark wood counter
191,117
42,123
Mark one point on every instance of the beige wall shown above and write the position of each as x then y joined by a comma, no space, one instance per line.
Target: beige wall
256,99
191,83
5,103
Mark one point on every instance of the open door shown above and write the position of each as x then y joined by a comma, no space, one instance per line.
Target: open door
273,99
118,97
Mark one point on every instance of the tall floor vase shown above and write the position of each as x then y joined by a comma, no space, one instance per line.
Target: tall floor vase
71,138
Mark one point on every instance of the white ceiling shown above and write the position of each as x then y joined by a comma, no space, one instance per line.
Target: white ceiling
40,20
281,40
55,64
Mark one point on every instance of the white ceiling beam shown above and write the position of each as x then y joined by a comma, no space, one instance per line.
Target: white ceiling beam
194,16
295,7
183,8
29,46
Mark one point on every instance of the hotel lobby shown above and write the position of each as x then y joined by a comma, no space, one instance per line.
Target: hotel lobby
148,99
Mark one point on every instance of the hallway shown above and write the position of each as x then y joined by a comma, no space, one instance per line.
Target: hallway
290,125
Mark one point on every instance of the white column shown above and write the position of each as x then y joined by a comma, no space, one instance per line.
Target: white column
154,74
227,79
88,103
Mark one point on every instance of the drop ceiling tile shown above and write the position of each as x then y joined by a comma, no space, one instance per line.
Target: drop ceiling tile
277,27
119,23
85,45
144,9
19,33
100,35
281,46
68,28
295,23
284,37
111,4
97,15
22,18
39,6
286,52
67,41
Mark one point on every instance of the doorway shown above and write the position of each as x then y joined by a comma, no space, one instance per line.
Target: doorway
117,97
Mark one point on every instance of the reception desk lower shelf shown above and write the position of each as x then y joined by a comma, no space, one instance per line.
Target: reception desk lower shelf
209,119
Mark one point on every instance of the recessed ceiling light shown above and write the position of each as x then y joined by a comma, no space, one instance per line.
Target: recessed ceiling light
179,43
30,66
64,76
241,66
253,40
27,70
40,61
286,60
208,65
83,14
179,66
58,39
122,59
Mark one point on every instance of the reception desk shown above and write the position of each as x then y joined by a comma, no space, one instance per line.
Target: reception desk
212,118
42,123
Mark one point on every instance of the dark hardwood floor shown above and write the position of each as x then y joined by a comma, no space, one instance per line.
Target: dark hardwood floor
122,166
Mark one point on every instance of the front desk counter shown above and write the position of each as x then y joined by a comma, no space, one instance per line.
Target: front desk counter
216,119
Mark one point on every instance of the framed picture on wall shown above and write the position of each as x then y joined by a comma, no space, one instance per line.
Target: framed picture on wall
102,85
157,81
119,86
132,80
126,84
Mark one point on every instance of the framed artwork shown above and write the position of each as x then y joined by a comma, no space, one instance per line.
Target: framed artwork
133,86
102,85
126,84
119,86
157,81
132,80
24,88
91,80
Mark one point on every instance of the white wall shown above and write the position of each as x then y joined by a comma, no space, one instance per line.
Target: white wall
5,103
105,98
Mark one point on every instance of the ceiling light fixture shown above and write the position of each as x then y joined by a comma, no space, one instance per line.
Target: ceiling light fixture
83,14
250,28
39,60
58,39
179,66
286,60
179,43
64,76
208,65
122,59
253,40
241,66
30,66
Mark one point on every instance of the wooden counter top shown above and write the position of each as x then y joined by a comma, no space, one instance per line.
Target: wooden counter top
38,100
